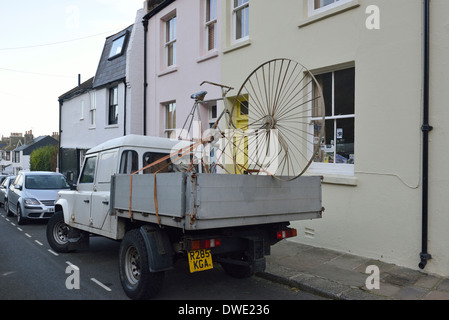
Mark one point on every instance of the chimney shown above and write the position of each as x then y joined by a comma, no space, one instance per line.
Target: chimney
29,137
79,79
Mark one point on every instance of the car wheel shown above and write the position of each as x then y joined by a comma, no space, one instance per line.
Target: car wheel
20,219
8,212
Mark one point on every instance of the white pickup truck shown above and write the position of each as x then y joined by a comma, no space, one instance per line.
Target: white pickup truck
204,218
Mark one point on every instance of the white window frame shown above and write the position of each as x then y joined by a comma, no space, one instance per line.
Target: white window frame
210,23
93,109
235,10
115,104
118,46
332,168
336,3
170,107
170,25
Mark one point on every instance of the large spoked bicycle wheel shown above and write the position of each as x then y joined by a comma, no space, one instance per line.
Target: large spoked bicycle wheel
278,120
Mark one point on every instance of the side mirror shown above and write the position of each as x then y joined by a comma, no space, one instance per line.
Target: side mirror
18,187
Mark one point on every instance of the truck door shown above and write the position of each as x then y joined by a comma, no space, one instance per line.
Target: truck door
85,189
107,166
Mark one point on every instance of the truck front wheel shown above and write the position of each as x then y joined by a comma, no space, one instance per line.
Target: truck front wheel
57,233
137,280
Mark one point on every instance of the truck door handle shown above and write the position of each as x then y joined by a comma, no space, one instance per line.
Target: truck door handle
105,202
86,201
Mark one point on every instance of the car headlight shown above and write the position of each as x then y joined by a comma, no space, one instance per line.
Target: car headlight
31,201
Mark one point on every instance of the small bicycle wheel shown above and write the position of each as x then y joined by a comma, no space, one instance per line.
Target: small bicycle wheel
278,120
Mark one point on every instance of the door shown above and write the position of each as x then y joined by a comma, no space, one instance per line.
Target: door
107,166
83,198
15,190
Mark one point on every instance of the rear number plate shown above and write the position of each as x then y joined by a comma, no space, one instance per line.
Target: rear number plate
200,260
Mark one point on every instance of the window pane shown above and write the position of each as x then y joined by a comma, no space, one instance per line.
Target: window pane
171,30
345,141
326,153
238,3
242,23
151,157
211,10
88,170
113,96
171,116
117,46
344,91
323,3
325,81
129,162
171,54
211,37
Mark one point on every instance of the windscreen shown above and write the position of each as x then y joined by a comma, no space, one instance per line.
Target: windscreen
46,182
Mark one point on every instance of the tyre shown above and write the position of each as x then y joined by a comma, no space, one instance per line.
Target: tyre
20,219
8,212
57,233
137,280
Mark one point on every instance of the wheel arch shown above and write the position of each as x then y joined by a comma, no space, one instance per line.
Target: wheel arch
63,206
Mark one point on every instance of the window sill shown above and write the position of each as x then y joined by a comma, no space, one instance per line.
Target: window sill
237,45
112,126
169,70
209,55
329,13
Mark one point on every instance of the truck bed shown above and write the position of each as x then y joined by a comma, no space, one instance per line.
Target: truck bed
207,201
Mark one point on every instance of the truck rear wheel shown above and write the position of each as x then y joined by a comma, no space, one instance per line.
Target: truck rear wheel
137,280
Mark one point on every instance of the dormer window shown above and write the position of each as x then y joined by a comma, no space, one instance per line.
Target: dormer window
118,47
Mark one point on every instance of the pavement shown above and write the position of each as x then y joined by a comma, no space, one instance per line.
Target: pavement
340,276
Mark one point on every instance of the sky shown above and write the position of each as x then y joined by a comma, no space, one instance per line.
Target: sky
44,45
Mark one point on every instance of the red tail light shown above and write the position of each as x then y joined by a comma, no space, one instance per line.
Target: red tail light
288,233
204,244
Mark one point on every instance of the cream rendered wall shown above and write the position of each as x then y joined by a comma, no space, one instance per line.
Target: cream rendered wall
194,65
376,212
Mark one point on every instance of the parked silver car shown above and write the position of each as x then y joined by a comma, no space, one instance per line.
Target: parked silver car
32,195
4,190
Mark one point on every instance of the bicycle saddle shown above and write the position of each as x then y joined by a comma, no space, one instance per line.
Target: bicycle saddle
199,96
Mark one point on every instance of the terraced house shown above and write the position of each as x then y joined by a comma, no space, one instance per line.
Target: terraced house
382,69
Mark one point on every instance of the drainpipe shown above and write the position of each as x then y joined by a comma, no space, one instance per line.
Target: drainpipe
124,107
61,102
426,128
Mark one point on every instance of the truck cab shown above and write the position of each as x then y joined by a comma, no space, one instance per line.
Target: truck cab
88,207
